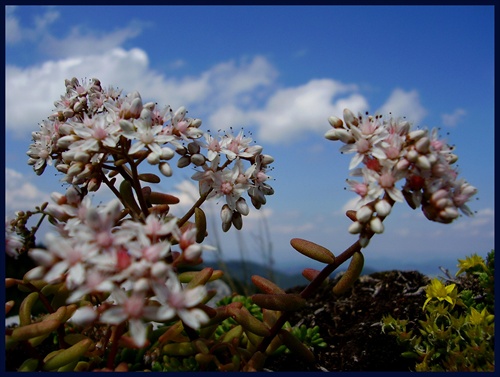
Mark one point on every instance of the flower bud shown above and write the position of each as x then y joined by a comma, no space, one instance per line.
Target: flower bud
153,158
376,225
350,118
432,158
383,208
331,134
126,126
195,123
76,168
141,285
226,226
159,270
443,203
226,214
165,169
167,153
65,141
180,114
412,155
417,134
237,220
422,145
68,113
449,213
335,122
364,214
94,184
254,150
135,107
197,159
423,163
452,158
193,148
468,190
242,206
183,162
266,159
150,106
355,227
439,194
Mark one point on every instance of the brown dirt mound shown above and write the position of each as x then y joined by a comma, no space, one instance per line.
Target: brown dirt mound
350,324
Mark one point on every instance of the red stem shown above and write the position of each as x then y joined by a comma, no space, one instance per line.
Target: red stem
114,347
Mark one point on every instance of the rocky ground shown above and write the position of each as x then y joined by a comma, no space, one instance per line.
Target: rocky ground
350,324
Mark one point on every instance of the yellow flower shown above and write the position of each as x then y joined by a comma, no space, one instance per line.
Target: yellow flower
470,262
477,318
436,289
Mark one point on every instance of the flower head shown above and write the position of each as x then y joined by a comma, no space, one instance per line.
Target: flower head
437,290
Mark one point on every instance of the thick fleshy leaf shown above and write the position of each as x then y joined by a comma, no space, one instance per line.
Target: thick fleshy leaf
313,250
266,286
351,275
283,302
68,355
296,346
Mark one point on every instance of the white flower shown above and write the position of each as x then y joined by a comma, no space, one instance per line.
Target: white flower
145,135
63,258
83,316
97,131
180,302
131,308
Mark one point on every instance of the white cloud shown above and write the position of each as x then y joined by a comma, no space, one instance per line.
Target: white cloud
292,228
78,42
15,32
404,104
451,120
291,112
177,64
20,193
39,86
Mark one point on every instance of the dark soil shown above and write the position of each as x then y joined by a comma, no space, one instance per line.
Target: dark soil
351,324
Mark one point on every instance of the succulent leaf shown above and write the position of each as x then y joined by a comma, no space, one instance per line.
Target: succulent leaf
282,302
313,250
351,275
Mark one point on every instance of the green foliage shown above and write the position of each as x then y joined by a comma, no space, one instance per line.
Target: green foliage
174,364
308,336
458,331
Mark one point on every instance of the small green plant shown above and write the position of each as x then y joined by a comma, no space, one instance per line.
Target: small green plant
458,331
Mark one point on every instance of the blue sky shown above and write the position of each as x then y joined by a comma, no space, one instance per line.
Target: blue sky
279,72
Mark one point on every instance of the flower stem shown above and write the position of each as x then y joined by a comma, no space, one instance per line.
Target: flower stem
114,346
317,281
190,213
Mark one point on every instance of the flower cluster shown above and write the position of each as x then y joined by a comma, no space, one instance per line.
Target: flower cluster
95,132
391,151
231,184
124,249
95,252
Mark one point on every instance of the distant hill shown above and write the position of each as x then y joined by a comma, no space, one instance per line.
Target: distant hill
243,271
